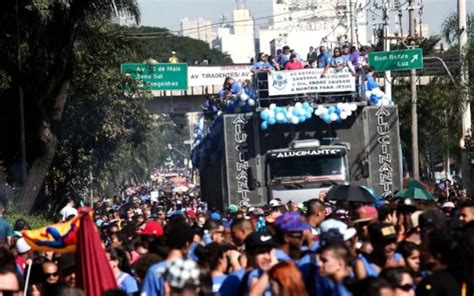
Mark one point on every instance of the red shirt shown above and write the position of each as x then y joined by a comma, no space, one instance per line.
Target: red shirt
293,65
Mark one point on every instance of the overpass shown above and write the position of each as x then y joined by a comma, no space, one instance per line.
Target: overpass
205,81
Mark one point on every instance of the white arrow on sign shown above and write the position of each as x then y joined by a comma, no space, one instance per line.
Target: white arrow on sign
414,58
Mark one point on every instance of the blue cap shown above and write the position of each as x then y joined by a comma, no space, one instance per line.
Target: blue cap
216,216
291,222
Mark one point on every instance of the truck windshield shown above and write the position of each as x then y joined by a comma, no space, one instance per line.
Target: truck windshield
318,168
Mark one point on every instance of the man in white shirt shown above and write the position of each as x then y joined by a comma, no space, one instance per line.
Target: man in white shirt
69,210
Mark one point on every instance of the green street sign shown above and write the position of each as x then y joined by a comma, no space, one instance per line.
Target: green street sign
159,76
396,60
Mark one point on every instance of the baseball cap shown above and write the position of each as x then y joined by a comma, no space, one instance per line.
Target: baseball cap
366,213
233,209
382,232
434,218
216,216
181,272
290,222
275,203
66,263
448,204
151,228
22,246
259,240
173,52
340,226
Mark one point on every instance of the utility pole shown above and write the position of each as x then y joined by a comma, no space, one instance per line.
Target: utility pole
386,47
352,23
466,116
414,115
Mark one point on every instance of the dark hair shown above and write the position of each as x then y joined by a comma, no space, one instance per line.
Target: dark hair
394,275
210,255
406,248
314,206
467,204
211,225
121,257
442,244
178,235
242,223
340,250
145,261
370,286
385,210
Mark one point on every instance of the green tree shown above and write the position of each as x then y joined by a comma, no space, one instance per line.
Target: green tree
49,35
450,27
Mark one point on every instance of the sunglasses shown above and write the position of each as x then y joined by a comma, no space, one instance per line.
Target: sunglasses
296,234
47,275
406,287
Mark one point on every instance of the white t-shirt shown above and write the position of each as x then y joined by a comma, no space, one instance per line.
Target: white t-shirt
67,211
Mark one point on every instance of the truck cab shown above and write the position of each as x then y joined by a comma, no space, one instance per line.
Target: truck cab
305,169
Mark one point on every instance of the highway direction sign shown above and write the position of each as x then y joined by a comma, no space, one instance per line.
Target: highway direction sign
396,60
159,76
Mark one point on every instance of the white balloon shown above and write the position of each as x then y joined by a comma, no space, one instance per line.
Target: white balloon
333,117
251,102
244,96
317,112
271,113
339,106
295,120
343,115
272,106
385,102
302,112
348,113
368,93
298,105
353,107
324,110
280,117
378,92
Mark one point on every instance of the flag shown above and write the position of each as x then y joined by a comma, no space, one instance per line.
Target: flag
60,237
93,272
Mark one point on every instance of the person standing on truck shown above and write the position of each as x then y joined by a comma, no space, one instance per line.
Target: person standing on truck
230,88
262,65
324,58
293,63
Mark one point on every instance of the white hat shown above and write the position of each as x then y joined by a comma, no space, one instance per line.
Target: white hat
22,246
275,203
448,204
173,52
340,226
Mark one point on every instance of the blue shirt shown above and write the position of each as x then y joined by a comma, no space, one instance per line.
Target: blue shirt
217,281
262,66
5,230
230,286
283,59
127,283
346,57
153,283
256,274
337,61
323,60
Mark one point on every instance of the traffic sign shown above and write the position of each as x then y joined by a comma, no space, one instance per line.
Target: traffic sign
159,76
396,60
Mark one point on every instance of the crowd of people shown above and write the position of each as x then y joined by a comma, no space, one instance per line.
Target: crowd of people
347,56
165,242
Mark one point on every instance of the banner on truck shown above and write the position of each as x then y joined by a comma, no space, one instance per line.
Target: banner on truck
310,81
215,75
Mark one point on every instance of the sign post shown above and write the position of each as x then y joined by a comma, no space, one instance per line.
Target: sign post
159,76
396,60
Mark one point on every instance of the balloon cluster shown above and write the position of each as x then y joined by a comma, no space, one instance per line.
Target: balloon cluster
210,146
244,102
375,95
302,112
335,113
285,115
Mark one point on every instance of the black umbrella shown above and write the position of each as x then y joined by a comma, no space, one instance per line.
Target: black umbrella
350,193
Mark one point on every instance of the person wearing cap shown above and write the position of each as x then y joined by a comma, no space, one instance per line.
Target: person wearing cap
67,273
447,208
363,217
173,59
289,229
334,260
258,253
179,239
23,250
383,238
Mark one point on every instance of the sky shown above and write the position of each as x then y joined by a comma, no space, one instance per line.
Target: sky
168,13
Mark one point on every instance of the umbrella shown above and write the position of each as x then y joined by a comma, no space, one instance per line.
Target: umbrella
178,180
416,193
350,193
93,272
413,183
